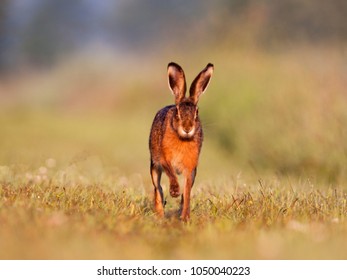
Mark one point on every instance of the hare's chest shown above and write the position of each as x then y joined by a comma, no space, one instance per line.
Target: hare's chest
182,155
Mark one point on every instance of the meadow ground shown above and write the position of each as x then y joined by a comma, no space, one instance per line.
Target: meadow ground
271,184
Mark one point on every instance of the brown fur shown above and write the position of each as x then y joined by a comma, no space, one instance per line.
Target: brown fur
176,138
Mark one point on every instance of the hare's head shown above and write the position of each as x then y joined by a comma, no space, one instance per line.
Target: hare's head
186,115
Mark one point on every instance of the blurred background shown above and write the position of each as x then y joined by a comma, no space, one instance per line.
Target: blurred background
80,82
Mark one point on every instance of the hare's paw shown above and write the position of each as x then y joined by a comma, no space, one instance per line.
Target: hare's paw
159,209
185,217
174,189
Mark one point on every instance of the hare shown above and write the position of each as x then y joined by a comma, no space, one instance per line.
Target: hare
176,138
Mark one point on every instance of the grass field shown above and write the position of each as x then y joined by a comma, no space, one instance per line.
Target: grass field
272,179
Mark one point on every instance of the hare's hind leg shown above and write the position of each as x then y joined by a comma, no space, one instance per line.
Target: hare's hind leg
158,190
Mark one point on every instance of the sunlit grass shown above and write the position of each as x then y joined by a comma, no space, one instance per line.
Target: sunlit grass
268,220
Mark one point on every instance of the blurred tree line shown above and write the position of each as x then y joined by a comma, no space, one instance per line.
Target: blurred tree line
38,32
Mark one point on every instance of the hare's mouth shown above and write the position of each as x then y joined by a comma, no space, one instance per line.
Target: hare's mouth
186,133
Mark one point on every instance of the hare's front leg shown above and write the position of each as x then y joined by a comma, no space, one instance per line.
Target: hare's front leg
174,186
158,191
185,202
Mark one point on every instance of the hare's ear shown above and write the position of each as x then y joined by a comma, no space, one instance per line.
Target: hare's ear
177,81
200,83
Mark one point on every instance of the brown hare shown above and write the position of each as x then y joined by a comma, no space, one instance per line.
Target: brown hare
176,138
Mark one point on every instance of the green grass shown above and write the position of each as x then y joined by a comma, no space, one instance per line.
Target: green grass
272,178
